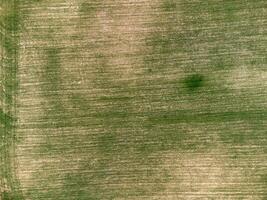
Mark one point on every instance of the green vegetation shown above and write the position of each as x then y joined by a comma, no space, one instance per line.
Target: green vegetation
56,114
10,27
169,5
5,119
88,7
194,81
116,118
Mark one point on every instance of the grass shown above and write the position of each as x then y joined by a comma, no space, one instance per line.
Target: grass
194,81
6,119
169,5
9,20
87,8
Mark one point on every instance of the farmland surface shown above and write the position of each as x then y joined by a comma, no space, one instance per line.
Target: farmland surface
133,99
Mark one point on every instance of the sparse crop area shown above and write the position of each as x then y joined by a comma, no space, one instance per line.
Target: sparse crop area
133,99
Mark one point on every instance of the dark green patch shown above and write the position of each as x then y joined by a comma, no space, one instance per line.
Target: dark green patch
76,187
169,5
233,138
10,196
56,114
115,98
194,81
9,45
87,8
6,119
115,114
11,22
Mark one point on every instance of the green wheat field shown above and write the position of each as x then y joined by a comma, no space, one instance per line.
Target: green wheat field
133,100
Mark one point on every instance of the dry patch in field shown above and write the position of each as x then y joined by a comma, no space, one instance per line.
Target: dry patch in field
208,176
126,26
245,78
